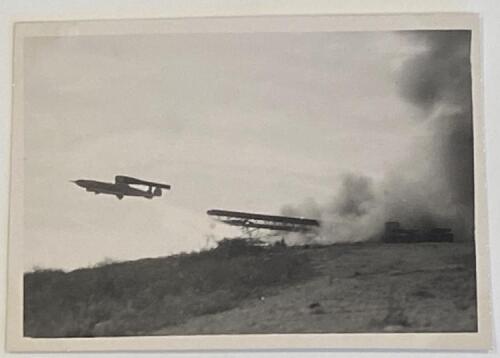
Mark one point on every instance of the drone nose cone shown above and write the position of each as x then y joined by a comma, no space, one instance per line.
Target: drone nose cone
77,182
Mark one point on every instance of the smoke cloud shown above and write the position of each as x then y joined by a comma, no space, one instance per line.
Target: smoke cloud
433,188
438,82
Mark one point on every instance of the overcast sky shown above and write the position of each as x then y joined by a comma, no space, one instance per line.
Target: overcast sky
246,122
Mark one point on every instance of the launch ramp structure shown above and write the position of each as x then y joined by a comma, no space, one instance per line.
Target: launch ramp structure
250,222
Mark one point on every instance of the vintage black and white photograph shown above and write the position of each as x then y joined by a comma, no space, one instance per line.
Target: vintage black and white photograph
200,183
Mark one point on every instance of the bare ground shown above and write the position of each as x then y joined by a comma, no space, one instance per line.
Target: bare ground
371,287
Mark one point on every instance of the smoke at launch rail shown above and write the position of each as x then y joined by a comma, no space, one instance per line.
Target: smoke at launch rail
435,185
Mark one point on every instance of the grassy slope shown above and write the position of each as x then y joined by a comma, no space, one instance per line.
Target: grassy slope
352,288
132,298
425,287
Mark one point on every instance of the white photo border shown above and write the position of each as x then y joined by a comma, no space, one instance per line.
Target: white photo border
248,24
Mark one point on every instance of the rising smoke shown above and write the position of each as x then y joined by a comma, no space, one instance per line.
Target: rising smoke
435,188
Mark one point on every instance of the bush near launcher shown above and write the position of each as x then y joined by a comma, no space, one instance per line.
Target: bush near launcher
394,233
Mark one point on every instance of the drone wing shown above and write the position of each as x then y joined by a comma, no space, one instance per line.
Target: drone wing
129,180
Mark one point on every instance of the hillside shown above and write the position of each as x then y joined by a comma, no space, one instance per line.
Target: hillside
370,287
373,287
136,297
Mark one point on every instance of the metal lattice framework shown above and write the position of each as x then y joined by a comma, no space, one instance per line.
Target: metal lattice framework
251,222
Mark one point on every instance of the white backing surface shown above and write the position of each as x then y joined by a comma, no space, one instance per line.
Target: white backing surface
11,11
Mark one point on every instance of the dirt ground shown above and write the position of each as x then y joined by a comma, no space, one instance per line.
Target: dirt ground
371,287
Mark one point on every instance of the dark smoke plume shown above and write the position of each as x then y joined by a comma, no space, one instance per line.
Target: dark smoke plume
438,81
435,188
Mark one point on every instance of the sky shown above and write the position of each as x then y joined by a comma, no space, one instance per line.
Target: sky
248,122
